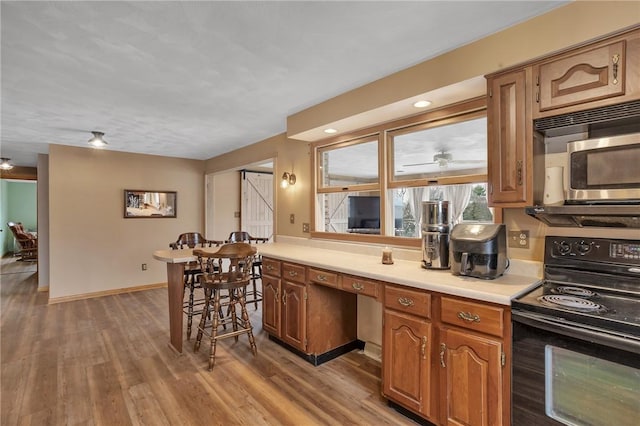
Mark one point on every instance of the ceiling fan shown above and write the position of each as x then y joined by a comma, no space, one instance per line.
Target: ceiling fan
442,159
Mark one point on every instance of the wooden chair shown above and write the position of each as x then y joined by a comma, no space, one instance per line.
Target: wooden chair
192,306
27,242
256,272
228,269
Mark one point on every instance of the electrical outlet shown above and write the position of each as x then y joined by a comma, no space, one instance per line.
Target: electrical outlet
305,227
519,239
292,218
144,266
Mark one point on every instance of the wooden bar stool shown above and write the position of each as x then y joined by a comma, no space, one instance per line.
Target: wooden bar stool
192,270
228,269
256,271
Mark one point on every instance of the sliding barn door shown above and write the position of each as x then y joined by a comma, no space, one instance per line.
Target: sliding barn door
257,204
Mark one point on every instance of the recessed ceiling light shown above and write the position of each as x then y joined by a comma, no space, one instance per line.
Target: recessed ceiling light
422,104
330,131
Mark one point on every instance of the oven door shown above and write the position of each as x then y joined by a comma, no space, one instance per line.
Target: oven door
566,375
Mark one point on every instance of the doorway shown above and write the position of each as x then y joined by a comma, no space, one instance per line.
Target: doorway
18,204
241,199
256,207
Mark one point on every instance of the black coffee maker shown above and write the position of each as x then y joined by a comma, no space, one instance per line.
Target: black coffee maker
479,250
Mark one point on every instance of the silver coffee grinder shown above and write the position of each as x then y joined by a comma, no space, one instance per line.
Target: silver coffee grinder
435,234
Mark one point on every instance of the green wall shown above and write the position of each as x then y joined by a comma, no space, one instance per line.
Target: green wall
18,203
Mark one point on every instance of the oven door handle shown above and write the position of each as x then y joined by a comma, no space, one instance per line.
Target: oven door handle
579,331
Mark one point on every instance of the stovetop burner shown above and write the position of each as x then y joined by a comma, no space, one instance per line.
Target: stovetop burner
575,291
571,302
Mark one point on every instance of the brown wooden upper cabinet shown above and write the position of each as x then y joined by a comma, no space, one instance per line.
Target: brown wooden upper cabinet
599,74
510,139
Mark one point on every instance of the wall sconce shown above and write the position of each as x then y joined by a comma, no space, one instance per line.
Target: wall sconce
288,179
5,164
96,141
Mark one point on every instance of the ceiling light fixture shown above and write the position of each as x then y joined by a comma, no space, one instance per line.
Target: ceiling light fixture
330,131
288,179
422,104
96,141
5,164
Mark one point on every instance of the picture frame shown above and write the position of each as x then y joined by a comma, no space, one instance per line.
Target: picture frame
146,204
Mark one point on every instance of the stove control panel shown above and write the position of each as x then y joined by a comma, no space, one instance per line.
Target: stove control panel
593,249
624,251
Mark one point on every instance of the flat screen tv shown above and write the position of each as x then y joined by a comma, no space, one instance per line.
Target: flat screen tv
364,214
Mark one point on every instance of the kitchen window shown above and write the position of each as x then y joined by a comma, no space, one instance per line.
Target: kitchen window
370,187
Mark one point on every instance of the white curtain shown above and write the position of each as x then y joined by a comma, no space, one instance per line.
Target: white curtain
415,199
458,197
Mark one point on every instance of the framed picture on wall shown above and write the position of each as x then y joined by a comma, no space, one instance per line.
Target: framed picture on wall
149,204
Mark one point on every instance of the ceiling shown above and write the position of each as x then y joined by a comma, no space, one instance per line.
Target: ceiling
195,79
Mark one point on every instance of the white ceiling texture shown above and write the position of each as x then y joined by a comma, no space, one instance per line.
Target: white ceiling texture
195,79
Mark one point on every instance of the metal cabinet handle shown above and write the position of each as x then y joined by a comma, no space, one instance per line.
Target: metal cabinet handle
293,274
357,286
405,301
468,317
615,59
443,349
423,347
321,277
270,268
284,298
519,172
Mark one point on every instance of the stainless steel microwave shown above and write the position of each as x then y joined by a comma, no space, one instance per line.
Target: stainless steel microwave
604,170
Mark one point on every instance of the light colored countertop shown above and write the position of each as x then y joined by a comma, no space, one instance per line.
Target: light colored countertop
518,279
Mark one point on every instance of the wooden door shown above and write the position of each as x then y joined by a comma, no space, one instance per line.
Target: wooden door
509,144
271,305
294,314
471,379
595,74
257,204
406,362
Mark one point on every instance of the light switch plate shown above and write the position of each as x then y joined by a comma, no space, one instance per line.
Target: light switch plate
292,218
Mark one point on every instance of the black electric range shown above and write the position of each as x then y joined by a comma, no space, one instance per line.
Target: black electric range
591,283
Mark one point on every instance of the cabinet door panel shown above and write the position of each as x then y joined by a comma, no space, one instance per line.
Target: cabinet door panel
294,314
588,76
508,148
471,379
407,361
271,305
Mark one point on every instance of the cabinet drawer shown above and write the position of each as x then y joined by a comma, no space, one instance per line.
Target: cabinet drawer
473,316
270,267
412,301
359,285
321,277
293,272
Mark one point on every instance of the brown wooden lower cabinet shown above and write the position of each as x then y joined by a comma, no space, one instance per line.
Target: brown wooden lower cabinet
444,358
446,368
408,375
312,319
294,315
471,379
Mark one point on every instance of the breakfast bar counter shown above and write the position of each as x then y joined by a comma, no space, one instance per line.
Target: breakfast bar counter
176,260
520,277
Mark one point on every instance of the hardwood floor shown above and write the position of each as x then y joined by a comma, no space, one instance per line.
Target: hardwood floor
105,361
